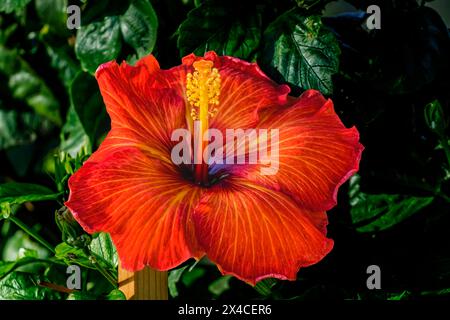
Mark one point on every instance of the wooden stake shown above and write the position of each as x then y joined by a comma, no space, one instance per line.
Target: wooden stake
147,284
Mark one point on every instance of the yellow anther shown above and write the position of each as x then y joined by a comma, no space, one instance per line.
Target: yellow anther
203,89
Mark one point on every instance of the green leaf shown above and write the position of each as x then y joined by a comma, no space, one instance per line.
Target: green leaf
21,157
378,212
20,245
228,29
71,255
26,85
264,287
192,275
220,285
21,128
18,193
98,42
139,26
116,294
86,99
73,137
61,60
25,286
5,33
174,278
81,295
72,233
404,295
435,118
9,6
6,267
436,293
301,51
54,14
103,246
81,256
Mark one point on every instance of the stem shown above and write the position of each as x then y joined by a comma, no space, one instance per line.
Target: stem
100,269
32,233
105,273
444,143
55,287
443,196
434,191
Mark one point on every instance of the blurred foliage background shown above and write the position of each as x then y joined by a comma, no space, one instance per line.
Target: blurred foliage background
391,83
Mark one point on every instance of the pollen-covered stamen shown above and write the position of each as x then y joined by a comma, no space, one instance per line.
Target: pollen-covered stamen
203,92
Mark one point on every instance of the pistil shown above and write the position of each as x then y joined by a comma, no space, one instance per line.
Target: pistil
203,91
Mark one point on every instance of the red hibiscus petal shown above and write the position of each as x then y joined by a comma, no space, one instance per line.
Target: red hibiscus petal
142,202
245,89
139,75
317,153
141,116
253,232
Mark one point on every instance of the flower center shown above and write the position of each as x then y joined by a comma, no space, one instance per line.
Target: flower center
203,91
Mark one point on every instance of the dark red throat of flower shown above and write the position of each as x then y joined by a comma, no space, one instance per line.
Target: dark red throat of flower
203,91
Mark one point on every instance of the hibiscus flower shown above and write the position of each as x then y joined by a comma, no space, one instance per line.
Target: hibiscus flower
160,214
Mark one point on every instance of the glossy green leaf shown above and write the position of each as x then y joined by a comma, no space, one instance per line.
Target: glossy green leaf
192,275
301,51
404,295
71,255
66,66
19,245
103,246
71,231
24,84
6,33
73,137
28,87
21,157
9,6
220,285
86,99
25,286
98,42
435,118
436,293
174,278
81,256
228,29
20,128
17,193
115,294
6,267
377,212
54,14
264,287
139,26
80,295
